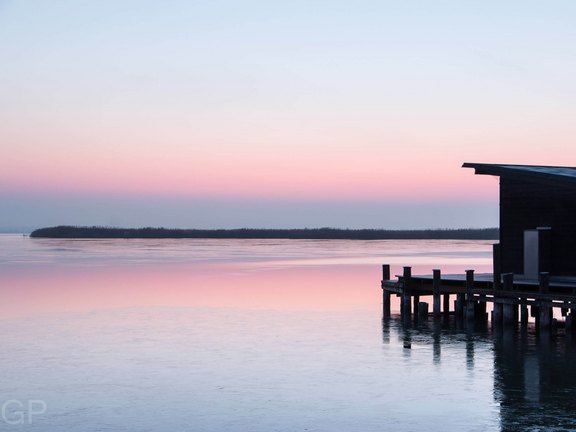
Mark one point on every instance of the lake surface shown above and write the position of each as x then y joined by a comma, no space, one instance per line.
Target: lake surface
257,335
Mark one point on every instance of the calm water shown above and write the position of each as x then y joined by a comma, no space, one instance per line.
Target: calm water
235,335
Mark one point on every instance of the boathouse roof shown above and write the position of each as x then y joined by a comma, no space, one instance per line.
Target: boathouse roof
558,175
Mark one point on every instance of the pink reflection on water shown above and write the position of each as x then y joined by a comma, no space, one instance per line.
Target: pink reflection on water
202,285
206,285
280,275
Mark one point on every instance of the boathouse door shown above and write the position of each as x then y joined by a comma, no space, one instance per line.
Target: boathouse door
536,252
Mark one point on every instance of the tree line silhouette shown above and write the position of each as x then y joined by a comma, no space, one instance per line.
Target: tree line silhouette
98,232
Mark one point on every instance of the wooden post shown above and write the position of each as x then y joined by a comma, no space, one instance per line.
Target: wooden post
564,310
481,308
497,306
571,322
446,306
459,304
406,303
385,292
386,303
496,267
436,292
544,280
545,316
508,308
416,300
516,315
470,303
469,282
524,315
507,281
407,272
535,313
497,312
423,310
385,272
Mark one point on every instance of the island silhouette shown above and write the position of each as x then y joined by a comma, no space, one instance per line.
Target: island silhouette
65,231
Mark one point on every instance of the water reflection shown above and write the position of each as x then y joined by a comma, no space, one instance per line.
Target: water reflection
534,374
535,380
235,336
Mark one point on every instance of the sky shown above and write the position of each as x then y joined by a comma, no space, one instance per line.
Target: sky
253,113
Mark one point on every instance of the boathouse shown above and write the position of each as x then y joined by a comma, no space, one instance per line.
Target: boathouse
537,219
534,262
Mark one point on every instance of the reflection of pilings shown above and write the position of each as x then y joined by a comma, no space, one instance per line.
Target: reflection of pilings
386,331
436,348
469,351
406,336
535,384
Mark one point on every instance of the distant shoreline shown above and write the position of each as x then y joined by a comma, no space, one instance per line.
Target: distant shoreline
74,232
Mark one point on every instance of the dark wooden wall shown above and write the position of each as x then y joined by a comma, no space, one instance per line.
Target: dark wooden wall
528,205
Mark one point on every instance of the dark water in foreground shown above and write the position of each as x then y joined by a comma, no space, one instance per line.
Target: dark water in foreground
229,335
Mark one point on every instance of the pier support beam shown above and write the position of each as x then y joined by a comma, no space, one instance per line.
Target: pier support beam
446,306
436,292
571,322
544,282
497,313
535,313
524,315
385,292
423,310
416,300
386,303
470,303
565,309
459,305
406,303
545,315
481,308
508,314
496,267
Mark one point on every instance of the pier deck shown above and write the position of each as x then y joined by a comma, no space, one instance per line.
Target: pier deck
507,292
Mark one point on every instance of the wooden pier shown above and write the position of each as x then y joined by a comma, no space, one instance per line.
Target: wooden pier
514,298
534,263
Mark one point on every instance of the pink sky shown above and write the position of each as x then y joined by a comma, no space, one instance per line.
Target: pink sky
374,103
